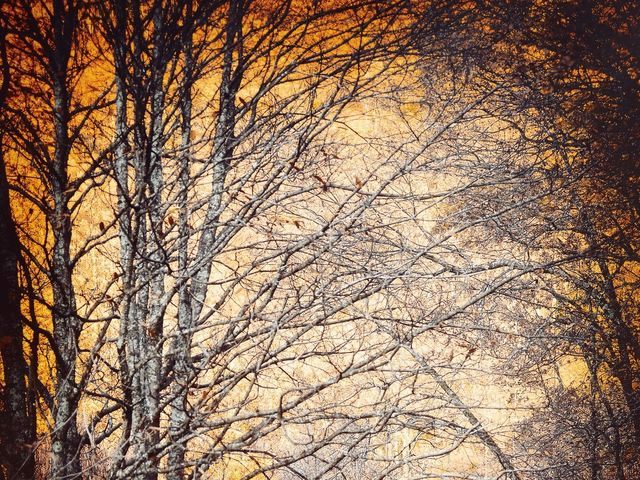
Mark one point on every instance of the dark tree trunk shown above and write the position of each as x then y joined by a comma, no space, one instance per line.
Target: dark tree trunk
17,415
66,323
18,432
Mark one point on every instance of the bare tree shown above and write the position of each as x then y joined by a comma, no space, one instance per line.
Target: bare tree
277,236
46,120
579,90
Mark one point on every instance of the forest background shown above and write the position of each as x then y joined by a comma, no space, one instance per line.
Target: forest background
350,239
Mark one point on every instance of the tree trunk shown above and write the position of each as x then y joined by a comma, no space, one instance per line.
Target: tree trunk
223,151
182,344
66,324
18,413
66,444
18,433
